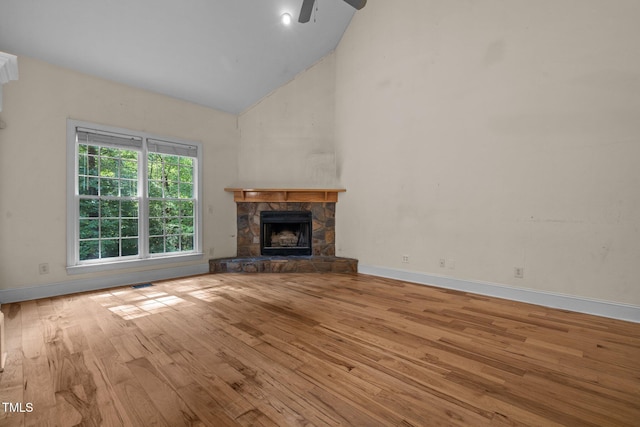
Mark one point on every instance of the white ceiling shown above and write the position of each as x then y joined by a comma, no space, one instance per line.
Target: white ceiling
224,54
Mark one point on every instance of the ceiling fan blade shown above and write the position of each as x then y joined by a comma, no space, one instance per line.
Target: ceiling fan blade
305,12
358,4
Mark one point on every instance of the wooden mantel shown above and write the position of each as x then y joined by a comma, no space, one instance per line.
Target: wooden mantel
285,194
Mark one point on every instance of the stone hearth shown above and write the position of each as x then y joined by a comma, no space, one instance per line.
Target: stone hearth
288,264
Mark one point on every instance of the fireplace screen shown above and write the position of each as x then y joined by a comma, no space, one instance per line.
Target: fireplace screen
285,233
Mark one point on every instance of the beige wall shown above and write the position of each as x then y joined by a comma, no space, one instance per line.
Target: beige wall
497,134
287,137
33,162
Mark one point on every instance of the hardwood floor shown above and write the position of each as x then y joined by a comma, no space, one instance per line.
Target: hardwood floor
313,349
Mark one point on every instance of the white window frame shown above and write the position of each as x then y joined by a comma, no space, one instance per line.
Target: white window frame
144,258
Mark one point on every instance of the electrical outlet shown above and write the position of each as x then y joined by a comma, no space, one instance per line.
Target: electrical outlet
443,263
518,272
211,251
43,268
451,263
405,258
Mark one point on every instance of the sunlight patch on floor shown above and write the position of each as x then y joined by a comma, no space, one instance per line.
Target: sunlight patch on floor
132,304
208,295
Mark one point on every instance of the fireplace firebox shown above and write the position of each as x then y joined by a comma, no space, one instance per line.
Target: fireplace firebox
285,233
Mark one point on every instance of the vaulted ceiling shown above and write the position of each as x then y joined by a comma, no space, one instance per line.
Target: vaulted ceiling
224,54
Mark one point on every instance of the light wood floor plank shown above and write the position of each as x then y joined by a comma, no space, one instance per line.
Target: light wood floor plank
313,350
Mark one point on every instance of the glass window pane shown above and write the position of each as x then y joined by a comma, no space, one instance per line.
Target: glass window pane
129,154
186,191
108,187
186,208
156,245
172,226
186,161
156,226
186,242
172,208
186,225
109,152
155,189
94,186
173,244
155,157
110,209
92,164
109,228
87,186
108,167
129,228
171,173
172,190
83,185
155,171
89,229
129,247
155,167
110,248
173,160
186,174
89,208
89,249
129,209
129,169
128,188
82,164
155,208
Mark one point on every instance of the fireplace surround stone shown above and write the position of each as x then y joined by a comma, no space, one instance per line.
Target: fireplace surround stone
322,217
250,203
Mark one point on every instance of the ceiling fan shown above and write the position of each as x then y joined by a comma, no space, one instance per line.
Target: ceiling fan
307,8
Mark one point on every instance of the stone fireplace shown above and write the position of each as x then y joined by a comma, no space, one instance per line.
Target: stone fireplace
322,226
285,230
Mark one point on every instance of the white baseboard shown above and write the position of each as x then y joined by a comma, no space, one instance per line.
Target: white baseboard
609,309
547,299
111,281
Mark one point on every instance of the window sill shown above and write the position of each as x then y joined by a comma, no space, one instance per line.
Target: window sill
134,263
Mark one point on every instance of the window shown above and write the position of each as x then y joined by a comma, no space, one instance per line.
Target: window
134,198
171,198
